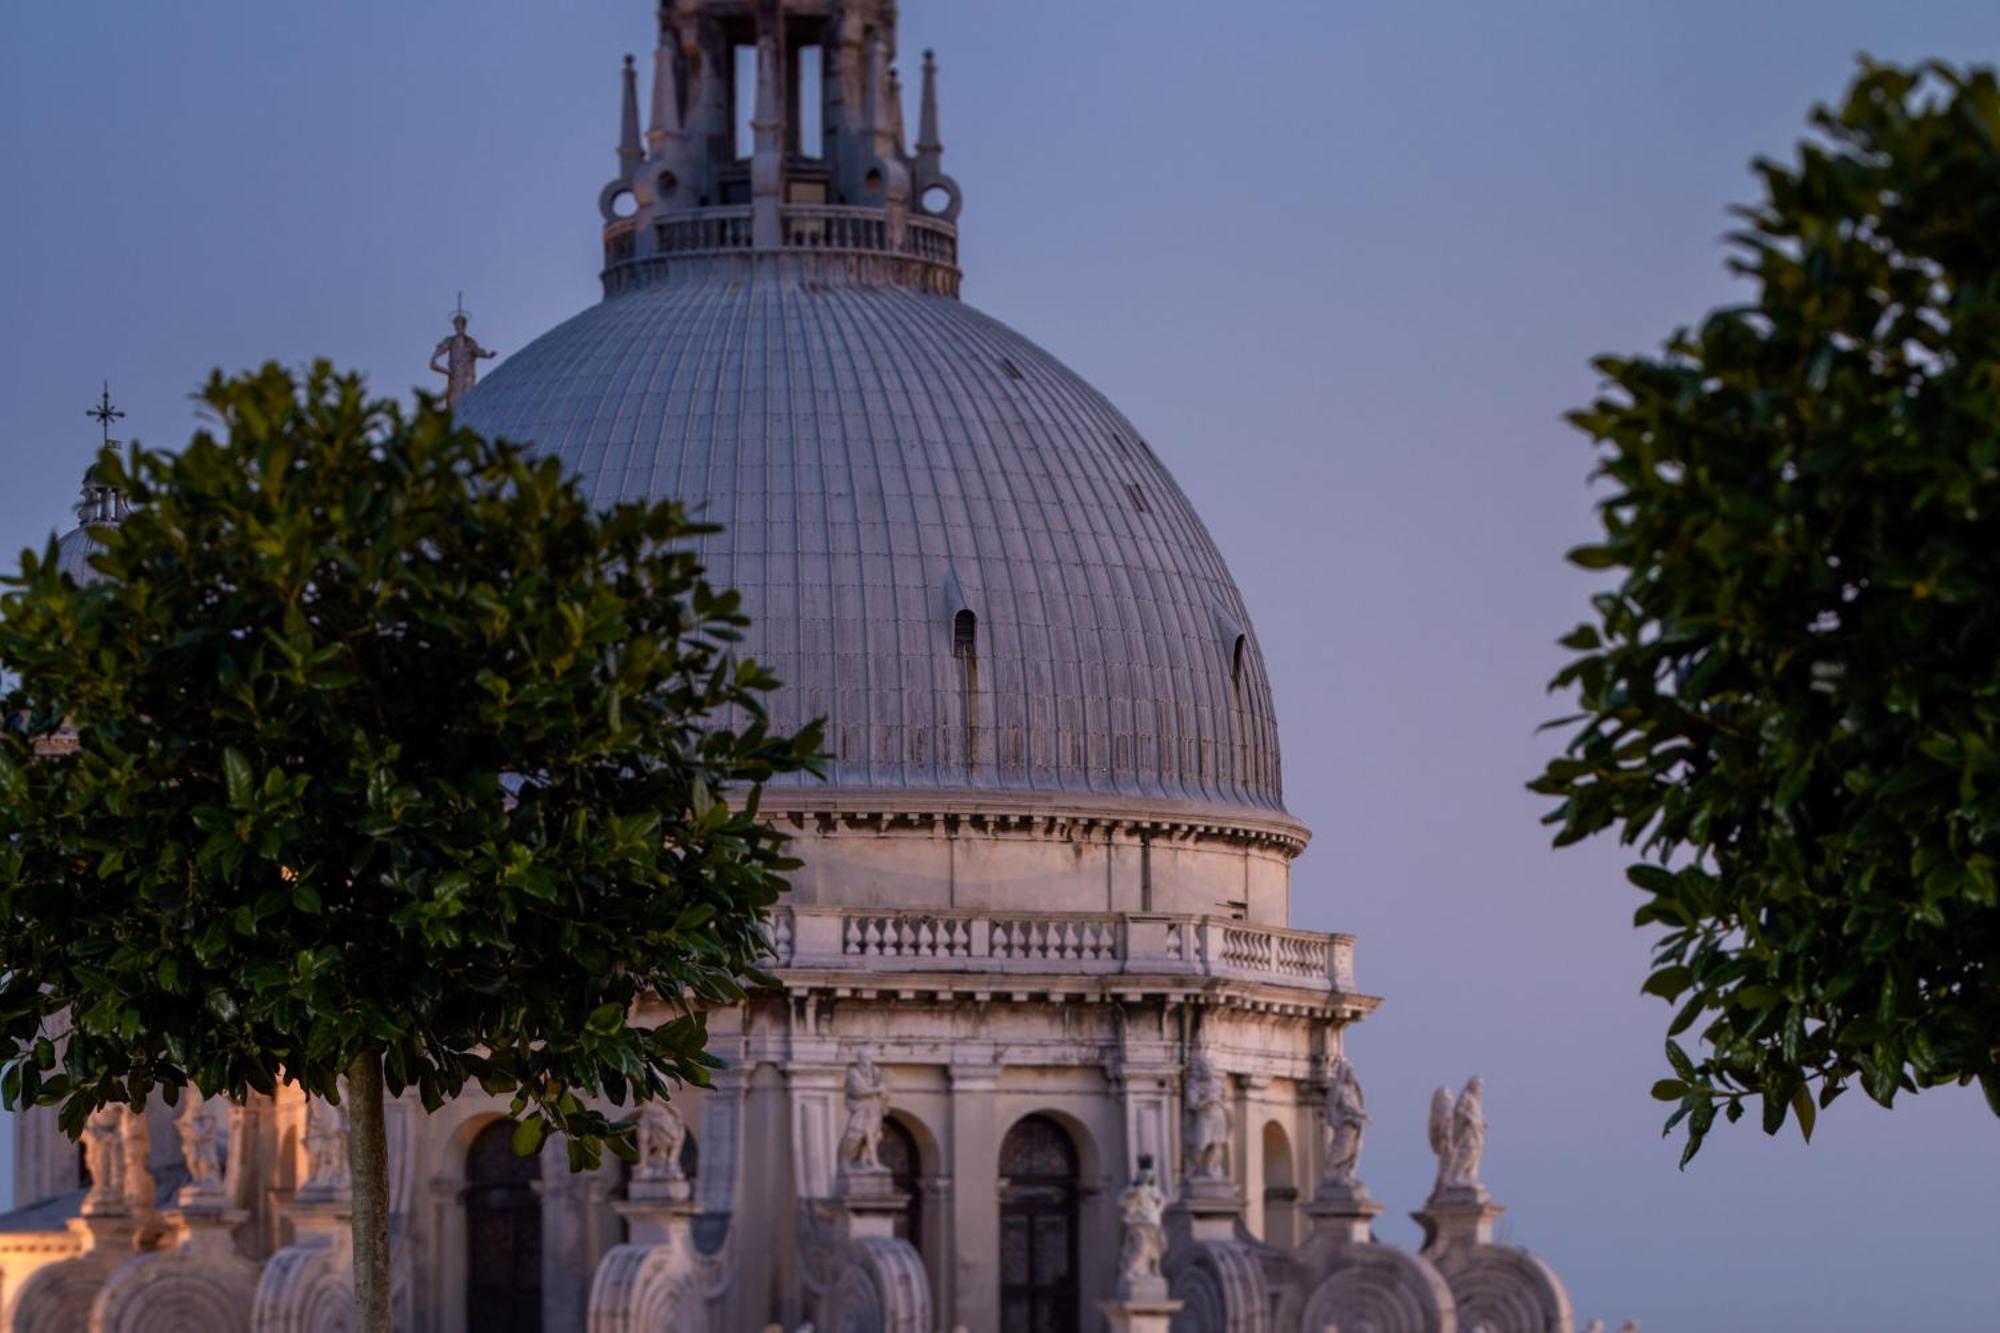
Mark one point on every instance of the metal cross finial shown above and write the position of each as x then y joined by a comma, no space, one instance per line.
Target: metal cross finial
104,414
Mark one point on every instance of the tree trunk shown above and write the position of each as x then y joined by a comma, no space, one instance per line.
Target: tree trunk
368,1160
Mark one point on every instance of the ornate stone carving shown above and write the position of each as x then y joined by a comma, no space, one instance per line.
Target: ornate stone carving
307,1287
1382,1290
1143,1208
1347,1119
867,1106
1458,1137
328,1174
1210,1121
1222,1289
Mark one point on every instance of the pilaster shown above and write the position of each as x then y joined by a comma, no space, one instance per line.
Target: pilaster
975,1217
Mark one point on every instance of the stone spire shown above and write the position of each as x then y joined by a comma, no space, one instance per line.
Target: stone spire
664,129
930,151
630,154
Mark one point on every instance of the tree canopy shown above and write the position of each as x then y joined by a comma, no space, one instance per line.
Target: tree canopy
1791,695
388,748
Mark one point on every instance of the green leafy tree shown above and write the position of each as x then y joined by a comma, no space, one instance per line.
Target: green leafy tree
393,760
1791,698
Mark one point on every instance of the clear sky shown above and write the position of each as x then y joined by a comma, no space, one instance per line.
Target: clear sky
1344,265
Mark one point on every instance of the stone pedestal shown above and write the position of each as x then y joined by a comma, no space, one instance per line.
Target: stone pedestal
1212,1209
1139,1316
873,1203
1344,1211
1457,1219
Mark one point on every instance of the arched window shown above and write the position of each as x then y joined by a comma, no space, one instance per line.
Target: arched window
1038,1228
964,634
1281,1191
503,1235
899,1153
1236,659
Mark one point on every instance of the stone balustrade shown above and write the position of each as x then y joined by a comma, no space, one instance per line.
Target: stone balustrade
805,227
1073,943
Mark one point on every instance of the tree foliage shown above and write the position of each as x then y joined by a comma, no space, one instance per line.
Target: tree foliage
385,743
1791,697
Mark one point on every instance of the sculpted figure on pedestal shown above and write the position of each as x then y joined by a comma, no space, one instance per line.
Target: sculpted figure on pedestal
662,1134
327,1170
1210,1121
1458,1135
867,1105
104,1158
1347,1119
136,1144
204,1141
1143,1208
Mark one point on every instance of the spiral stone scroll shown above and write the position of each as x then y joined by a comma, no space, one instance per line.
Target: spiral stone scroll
189,1290
1222,1290
307,1288
1506,1290
882,1288
648,1289
1379,1289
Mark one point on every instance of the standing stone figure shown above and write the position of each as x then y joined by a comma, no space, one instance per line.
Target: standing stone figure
662,1134
1458,1136
867,1105
204,1142
457,358
136,1145
1143,1208
1210,1121
104,1158
327,1170
1347,1119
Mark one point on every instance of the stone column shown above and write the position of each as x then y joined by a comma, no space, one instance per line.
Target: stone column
974,1256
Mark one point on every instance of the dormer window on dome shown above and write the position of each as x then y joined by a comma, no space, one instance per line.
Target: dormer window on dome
777,127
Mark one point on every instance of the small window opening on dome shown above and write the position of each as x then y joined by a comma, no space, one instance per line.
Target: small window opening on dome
624,204
964,634
1013,371
1138,494
1236,659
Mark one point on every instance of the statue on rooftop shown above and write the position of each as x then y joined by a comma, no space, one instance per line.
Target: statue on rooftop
104,1159
457,358
1458,1136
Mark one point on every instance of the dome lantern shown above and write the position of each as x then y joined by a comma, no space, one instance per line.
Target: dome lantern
777,126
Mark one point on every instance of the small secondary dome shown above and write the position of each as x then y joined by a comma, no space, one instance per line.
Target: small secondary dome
951,547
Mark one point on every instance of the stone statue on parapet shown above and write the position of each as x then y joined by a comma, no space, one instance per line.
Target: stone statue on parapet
457,358
1143,1208
1347,1119
1210,1121
1458,1137
204,1132
662,1135
327,1171
867,1108
104,1158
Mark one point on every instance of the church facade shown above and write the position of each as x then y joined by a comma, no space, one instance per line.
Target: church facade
1045,1054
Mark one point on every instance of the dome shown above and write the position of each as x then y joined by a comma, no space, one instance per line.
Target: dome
73,554
951,547
895,473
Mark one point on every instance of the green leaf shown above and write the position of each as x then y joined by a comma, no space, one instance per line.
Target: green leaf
1807,1113
236,772
1669,1090
528,1136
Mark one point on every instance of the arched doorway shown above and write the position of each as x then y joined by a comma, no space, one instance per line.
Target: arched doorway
503,1235
906,1167
1038,1229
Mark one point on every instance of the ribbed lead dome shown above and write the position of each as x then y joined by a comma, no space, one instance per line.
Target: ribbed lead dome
954,550
884,462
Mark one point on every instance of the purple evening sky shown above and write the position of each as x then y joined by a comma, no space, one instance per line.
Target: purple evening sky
1343,264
